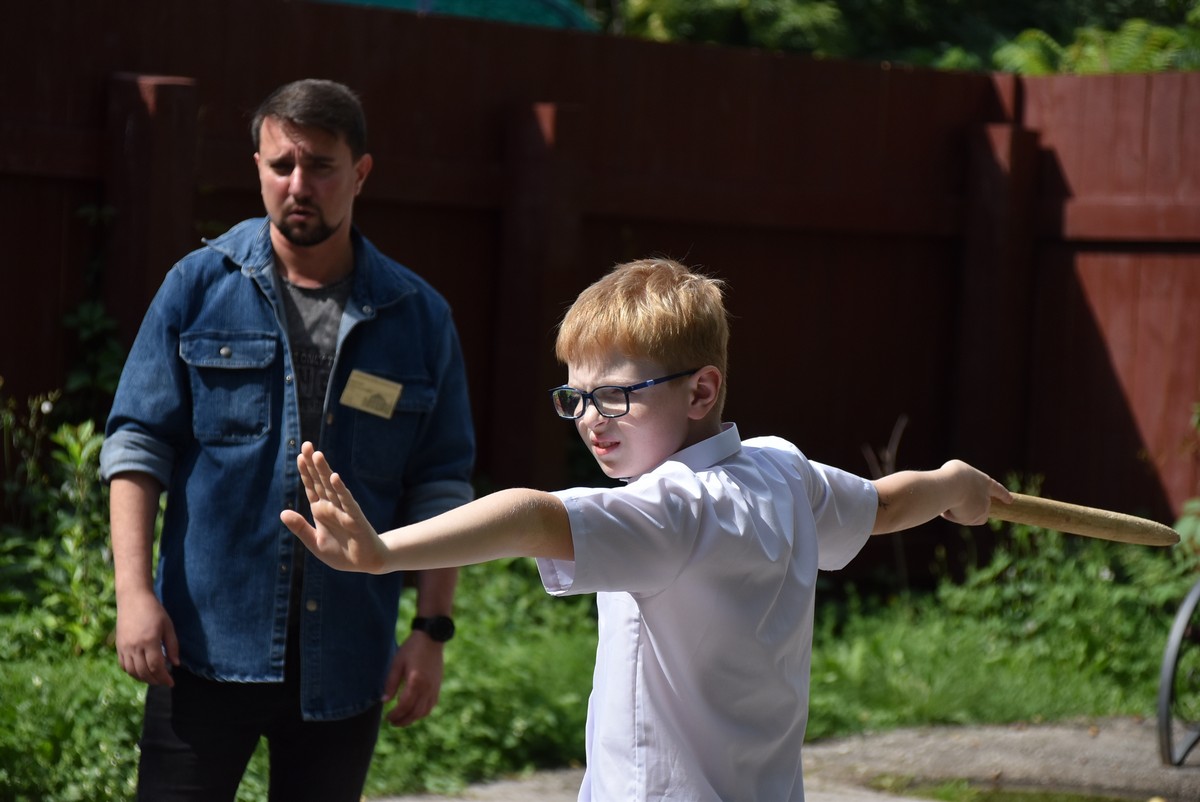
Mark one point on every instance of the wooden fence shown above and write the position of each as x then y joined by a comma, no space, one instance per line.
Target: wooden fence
1011,264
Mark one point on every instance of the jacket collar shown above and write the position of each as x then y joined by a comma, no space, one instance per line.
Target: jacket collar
377,281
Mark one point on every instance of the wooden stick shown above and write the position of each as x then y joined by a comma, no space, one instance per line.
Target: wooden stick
1087,521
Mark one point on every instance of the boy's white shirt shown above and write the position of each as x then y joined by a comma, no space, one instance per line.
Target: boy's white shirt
704,570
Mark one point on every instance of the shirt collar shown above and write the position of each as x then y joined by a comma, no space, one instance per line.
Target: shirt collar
710,451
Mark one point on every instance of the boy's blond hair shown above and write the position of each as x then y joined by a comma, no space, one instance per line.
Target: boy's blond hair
650,309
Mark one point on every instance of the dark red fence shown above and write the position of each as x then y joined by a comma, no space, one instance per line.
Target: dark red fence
1010,264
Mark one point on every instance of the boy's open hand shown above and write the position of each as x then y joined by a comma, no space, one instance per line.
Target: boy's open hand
342,538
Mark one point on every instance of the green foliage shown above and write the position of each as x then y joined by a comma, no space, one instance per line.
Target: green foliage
1021,36
1033,52
55,564
92,380
1052,626
808,26
68,729
1136,47
24,429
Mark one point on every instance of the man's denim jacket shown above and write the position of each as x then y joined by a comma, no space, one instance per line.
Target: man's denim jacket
207,404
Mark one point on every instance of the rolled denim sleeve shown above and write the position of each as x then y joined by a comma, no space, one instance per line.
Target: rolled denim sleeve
150,410
127,450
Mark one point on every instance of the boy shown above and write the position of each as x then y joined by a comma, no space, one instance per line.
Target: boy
704,563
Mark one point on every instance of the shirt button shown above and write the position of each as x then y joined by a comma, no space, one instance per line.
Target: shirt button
226,351
287,379
311,606
283,568
292,442
368,309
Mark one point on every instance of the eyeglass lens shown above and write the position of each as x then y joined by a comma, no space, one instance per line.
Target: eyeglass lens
610,401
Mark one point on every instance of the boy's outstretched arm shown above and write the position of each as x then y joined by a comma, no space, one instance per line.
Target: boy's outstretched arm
509,523
955,491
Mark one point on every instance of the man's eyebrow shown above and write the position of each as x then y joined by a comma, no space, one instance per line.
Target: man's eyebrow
305,158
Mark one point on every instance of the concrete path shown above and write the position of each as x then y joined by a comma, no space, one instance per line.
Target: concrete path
1117,757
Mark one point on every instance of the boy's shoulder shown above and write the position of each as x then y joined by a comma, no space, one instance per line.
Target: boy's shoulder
773,443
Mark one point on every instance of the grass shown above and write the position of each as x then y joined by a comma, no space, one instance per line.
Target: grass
1052,627
961,791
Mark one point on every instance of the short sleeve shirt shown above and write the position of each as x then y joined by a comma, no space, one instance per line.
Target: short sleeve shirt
704,571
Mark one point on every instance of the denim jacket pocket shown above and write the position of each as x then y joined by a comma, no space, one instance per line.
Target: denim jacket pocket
230,376
379,442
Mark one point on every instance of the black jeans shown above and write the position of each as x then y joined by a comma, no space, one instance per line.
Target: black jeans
198,737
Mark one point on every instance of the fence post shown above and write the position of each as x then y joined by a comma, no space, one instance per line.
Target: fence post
538,275
150,185
993,356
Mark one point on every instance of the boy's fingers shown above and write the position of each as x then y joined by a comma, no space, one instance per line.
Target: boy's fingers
323,474
344,496
304,465
295,522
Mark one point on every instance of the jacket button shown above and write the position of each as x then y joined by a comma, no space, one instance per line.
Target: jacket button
311,606
368,309
226,351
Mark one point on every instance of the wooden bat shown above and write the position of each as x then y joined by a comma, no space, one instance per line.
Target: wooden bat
1088,521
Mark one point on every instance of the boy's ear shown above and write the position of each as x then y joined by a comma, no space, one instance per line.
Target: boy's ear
706,387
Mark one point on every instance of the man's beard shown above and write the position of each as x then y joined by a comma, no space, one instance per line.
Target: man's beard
312,233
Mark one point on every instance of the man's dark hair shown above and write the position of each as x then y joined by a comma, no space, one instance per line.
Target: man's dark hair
326,105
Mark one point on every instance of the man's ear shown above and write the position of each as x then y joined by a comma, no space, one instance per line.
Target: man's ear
706,388
362,169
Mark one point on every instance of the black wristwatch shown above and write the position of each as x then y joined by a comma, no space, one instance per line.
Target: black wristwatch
438,627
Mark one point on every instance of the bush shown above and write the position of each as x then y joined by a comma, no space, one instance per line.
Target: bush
1052,626
55,563
68,730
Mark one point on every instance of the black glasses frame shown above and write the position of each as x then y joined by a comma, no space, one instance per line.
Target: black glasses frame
560,408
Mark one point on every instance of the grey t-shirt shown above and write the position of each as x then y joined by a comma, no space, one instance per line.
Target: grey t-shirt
314,316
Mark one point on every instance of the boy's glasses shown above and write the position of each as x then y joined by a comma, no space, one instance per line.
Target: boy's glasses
611,401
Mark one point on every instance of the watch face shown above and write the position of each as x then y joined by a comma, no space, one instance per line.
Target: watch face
440,628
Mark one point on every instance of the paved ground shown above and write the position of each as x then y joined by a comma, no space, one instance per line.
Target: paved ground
1110,756
1117,757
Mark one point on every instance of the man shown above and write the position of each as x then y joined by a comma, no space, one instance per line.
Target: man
282,330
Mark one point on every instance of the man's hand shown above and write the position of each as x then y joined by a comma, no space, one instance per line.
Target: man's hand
418,667
144,633
342,538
